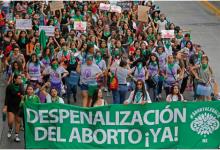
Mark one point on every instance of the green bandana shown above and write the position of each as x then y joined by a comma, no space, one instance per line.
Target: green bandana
17,72
137,56
154,63
204,66
116,53
47,58
16,87
72,60
102,51
106,34
130,40
170,66
23,40
179,37
74,50
98,59
54,66
200,56
65,53
138,96
139,67
167,44
55,100
37,51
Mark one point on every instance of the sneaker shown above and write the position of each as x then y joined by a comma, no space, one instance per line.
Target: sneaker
17,139
10,133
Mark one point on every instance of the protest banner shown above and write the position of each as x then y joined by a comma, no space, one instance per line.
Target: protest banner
104,6
56,5
23,24
143,13
80,25
115,8
174,125
125,5
49,30
168,34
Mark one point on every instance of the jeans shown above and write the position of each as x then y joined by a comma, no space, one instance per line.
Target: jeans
155,89
71,83
119,95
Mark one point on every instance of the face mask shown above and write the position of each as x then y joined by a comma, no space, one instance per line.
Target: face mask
54,66
98,59
137,56
204,66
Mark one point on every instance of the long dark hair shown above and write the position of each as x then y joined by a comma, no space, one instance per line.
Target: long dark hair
172,91
157,60
143,90
19,66
95,97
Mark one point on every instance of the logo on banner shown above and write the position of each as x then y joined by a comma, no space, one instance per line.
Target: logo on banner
205,122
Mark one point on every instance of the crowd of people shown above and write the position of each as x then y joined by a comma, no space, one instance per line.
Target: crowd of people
116,54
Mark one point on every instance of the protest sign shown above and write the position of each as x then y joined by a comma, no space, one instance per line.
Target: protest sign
104,6
56,5
23,24
80,25
115,8
49,30
156,125
124,5
143,13
168,34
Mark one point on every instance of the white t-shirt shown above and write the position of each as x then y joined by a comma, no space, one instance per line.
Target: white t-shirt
174,98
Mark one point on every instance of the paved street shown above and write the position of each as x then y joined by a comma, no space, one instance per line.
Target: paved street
205,30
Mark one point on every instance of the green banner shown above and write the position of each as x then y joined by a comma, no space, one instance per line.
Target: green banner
157,125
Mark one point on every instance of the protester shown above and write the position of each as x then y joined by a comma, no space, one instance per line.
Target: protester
51,97
97,99
175,94
139,95
13,96
106,46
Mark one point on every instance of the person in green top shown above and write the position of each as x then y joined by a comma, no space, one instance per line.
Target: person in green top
29,97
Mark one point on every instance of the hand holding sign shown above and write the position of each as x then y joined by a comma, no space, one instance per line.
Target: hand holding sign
168,34
80,25
116,9
104,6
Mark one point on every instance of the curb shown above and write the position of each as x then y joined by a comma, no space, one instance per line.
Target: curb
212,8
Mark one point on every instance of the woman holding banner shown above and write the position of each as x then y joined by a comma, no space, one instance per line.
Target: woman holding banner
139,95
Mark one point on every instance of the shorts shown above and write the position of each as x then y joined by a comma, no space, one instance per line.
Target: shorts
84,87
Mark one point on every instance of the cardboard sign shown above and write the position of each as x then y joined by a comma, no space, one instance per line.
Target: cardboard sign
168,34
49,30
143,13
104,6
124,5
23,24
56,5
116,9
80,25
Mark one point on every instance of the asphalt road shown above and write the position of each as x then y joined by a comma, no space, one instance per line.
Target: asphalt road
205,29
